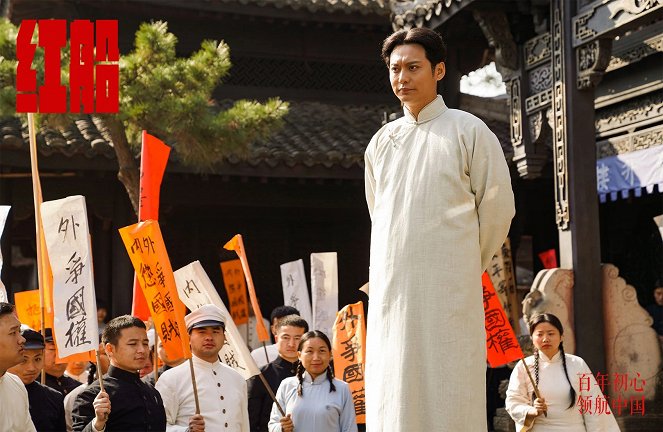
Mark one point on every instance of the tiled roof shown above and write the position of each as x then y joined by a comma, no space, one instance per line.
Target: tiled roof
416,13
347,6
314,136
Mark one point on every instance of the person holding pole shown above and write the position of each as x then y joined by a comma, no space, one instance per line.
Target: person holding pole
46,404
219,400
547,395
14,411
288,332
124,402
313,399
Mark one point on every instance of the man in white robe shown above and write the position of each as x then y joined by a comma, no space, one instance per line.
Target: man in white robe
439,193
222,393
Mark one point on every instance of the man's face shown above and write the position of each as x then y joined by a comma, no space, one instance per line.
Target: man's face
52,368
30,368
206,342
412,78
658,296
101,315
131,350
287,341
11,342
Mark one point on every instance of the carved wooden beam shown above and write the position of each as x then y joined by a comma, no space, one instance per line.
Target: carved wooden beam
495,27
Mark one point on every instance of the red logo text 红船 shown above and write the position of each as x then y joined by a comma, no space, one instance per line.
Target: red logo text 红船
94,72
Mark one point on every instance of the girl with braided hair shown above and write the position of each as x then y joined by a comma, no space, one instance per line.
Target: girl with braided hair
563,405
313,399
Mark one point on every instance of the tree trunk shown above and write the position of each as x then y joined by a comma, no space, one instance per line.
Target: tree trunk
128,172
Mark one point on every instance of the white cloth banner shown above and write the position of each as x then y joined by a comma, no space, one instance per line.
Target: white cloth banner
658,219
295,292
324,286
195,289
74,302
4,212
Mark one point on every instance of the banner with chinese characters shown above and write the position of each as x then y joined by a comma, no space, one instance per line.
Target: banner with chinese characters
28,309
153,159
4,212
503,278
237,244
295,291
196,289
74,304
501,342
147,251
324,287
233,280
349,348
633,171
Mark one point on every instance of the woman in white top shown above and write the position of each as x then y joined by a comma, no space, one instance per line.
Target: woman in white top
558,376
313,399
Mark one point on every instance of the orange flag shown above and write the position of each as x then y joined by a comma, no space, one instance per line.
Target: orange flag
28,309
501,343
147,251
349,349
237,245
154,157
233,279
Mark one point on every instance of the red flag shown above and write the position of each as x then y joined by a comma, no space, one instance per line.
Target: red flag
154,157
501,343
237,245
549,259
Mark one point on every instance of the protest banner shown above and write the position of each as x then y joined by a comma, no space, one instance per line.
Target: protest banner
154,157
147,251
235,284
502,276
324,287
349,348
195,289
295,291
28,309
67,239
501,343
237,244
4,212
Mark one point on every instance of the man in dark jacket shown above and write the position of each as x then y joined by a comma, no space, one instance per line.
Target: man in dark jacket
288,332
46,404
55,377
127,403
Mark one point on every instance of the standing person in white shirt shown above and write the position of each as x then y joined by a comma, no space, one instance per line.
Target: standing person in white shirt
14,406
557,376
221,390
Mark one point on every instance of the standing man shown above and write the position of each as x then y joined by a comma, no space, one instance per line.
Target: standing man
46,404
439,195
55,372
14,412
168,363
127,404
288,332
271,350
221,390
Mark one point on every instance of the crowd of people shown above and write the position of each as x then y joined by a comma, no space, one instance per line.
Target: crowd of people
131,397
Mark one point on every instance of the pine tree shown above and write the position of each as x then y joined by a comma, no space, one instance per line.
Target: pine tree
169,96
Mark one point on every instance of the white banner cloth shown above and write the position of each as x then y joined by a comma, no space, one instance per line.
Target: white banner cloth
324,287
74,303
4,212
295,291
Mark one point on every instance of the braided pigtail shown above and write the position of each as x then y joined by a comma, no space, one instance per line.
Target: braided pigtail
566,372
300,377
330,377
536,370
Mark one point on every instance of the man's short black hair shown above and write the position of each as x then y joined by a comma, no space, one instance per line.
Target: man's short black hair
113,328
293,321
6,309
281,311
430,40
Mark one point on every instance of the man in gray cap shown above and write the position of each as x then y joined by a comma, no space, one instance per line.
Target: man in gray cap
46,404
221,390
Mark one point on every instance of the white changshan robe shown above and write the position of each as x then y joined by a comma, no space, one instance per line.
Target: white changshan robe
439,193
